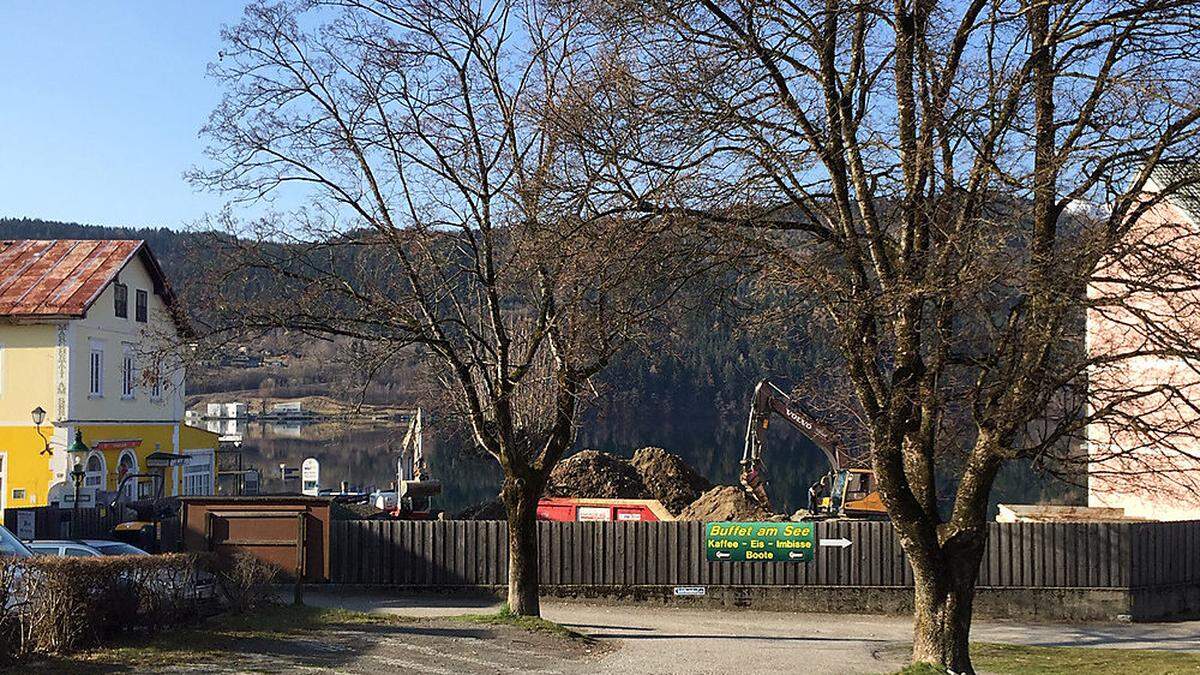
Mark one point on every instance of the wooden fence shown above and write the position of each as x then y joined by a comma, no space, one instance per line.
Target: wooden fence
1019,555
52,522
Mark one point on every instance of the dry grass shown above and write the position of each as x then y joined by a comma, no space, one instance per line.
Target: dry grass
1007,659
536,624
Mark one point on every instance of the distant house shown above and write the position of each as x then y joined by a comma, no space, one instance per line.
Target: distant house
242,358
289,411
217,411
87,329
1152,472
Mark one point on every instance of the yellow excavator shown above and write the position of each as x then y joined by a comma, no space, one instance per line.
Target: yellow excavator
844,492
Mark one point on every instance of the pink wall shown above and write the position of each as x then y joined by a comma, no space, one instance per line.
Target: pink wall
1146,458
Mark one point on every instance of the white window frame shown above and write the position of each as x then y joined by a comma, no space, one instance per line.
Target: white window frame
131,489
139,293
156,388
128,368
197,477
89,475
96,369
117,288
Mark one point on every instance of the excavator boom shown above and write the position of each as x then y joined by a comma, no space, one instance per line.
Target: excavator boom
769,399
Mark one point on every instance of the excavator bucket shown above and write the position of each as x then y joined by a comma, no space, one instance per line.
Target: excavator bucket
754,479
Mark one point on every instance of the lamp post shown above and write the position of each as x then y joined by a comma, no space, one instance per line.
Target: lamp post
79,451
39,415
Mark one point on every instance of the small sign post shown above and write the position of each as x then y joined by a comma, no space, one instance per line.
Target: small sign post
310,477
769,542
26,527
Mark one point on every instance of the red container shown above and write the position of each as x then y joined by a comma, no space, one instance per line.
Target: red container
577,509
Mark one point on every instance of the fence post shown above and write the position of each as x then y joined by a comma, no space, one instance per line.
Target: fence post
301,545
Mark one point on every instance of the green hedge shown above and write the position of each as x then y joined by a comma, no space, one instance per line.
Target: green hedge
52,605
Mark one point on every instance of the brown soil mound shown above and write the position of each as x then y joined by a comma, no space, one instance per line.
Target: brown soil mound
340,511
591,473
489,510
668,478
724,502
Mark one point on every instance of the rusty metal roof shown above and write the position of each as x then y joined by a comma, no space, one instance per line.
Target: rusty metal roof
63,277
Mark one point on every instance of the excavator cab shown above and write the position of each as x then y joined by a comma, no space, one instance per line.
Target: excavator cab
859,495
852,494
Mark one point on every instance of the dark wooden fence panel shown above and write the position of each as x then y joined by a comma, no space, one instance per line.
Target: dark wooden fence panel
52,522
475,553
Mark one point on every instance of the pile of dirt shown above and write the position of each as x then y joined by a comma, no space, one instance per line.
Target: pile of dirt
490,510
591,473
668,478
652,473
725,502
340,511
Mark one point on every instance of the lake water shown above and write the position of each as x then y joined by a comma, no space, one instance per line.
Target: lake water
363,455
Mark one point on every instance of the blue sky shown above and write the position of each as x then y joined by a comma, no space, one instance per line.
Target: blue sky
100,105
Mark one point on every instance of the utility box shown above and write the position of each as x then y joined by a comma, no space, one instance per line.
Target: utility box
291,533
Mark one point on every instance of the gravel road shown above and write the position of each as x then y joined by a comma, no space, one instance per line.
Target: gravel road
667,640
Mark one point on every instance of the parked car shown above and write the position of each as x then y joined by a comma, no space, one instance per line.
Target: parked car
114,547
83,548
203,586
10,545
11,593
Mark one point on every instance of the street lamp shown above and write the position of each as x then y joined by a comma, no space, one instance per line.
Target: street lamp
78,450
39,416
78,447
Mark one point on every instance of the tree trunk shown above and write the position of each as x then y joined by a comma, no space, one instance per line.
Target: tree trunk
942,626
942,600
520,501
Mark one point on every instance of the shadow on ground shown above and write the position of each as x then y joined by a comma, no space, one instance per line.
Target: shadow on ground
377,645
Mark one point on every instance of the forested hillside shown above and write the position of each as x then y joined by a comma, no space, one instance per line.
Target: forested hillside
691,398
168,245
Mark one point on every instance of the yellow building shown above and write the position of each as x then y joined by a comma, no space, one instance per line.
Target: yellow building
89,348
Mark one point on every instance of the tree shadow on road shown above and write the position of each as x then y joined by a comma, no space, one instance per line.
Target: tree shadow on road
285,638
616,634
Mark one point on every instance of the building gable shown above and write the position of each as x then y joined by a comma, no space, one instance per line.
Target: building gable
63,278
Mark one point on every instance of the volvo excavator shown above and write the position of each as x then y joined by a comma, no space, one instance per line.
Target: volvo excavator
844,492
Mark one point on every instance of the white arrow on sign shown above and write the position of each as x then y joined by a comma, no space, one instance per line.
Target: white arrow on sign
840,543
791,554
722,554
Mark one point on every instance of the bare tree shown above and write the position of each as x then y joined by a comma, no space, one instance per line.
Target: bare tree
953,186
445,212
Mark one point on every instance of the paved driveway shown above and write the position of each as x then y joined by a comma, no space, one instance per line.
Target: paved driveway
655,639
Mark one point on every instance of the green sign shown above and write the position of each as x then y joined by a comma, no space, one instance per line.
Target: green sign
776,542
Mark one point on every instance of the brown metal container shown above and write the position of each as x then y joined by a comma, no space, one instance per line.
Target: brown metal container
289,532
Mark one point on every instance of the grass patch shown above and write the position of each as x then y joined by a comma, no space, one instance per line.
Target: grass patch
921,669
1006,659
208,640
535,624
